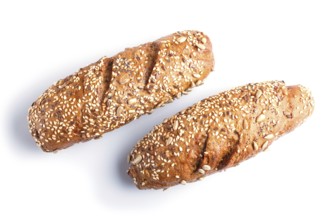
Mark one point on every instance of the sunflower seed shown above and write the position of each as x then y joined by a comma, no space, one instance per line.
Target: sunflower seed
124,79
200,46
284,90
287,114
169,141
265,145
175,125
258,94
245,124
119,111
261,118
132,101
255,145
201,171
181,39
196,75
137,159
206,167
269,136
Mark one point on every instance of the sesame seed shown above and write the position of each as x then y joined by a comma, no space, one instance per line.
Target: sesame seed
183,182
261,117
204,40
137,159
206,167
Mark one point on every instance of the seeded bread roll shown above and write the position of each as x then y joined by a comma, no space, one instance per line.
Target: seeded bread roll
114,91
217,133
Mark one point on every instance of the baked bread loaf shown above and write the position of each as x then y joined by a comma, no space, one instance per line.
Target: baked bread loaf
217,133
113,91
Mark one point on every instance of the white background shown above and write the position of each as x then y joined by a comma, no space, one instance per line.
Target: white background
42,42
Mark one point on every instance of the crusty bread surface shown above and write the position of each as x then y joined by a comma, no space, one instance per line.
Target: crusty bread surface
217,133
116,90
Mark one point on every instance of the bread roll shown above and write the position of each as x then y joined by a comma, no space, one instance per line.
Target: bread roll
114,91
217,133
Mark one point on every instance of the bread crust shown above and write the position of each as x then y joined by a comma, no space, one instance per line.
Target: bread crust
217,133
114,91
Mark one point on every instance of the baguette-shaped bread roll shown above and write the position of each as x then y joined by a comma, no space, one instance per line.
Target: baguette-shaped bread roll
113,91
217,133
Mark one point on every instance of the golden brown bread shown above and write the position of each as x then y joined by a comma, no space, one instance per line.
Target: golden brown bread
113,91
217,133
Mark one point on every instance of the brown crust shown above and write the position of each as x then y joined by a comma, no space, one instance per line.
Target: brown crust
217,133
114,91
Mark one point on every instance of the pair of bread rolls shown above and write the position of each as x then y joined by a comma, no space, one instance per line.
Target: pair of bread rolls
212,135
